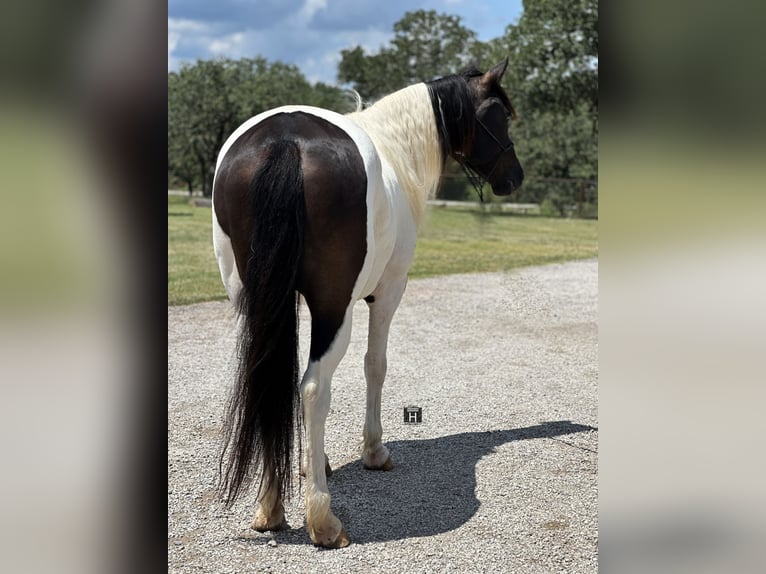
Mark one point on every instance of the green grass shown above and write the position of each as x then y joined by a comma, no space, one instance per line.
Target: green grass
449,242
192,269
474,242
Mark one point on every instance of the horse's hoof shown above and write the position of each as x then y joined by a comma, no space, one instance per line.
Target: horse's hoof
340,542
262,524
388,465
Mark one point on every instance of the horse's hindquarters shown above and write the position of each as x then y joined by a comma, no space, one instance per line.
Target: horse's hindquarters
290,214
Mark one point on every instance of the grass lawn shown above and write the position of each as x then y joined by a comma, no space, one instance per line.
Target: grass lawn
474,242
450,242
192,269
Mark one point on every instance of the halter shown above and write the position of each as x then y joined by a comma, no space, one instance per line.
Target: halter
477,180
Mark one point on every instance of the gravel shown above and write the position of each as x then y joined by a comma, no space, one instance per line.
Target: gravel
501,475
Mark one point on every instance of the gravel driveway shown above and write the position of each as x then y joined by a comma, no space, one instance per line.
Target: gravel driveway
501,475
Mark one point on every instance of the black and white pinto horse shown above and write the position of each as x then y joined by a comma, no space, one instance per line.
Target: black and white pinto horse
311,202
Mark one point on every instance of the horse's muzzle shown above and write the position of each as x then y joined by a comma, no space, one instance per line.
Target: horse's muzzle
507,187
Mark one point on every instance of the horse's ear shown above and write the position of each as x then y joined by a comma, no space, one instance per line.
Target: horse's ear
496,73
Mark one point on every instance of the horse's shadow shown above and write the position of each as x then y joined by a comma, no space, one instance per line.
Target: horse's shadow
431,489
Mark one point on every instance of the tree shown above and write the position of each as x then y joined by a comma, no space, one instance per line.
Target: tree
201,114
426,45
554,50
182,163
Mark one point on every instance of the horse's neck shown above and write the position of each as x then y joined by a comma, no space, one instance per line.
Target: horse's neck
403,129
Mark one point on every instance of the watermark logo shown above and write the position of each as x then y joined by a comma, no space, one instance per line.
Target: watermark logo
413,415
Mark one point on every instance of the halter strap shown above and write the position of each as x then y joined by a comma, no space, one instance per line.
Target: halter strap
474,177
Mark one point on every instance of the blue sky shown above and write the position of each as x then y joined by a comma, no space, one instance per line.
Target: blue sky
310,33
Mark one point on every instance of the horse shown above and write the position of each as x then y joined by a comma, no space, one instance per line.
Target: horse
314,204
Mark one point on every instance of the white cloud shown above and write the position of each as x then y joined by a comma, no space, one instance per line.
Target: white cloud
310,8
173,38
182,25
230,45
321,68
178,31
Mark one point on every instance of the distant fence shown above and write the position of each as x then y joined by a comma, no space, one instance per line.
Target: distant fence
580,193
504,207
566,196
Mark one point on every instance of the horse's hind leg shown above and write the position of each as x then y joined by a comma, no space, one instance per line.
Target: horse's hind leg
323,527
382,304
270,514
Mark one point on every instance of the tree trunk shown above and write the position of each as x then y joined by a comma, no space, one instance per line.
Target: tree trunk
203,177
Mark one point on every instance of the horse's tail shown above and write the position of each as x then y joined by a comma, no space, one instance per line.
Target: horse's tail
262,413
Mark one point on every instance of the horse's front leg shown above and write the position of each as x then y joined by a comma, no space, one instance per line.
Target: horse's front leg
323,527
382,304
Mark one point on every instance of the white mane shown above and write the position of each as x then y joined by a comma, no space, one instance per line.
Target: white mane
403,129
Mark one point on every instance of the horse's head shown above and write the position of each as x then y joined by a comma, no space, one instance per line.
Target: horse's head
490,152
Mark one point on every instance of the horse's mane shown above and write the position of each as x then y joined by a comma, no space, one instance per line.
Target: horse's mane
416,128
454,110
402,127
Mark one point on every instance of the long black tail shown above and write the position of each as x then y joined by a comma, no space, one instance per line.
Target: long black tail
262,413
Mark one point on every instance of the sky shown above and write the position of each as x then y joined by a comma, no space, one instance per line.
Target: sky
310,33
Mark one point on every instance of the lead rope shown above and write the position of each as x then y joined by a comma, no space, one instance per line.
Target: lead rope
475,179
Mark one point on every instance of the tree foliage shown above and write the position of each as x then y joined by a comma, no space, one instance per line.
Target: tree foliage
426,45
555,50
